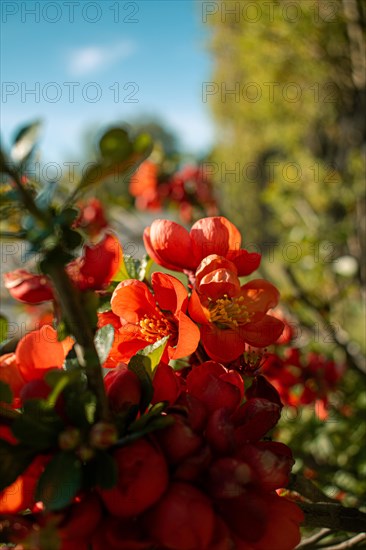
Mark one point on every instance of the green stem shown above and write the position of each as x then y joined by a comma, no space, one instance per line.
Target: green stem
78,322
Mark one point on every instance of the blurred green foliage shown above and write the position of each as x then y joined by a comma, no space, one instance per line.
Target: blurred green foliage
288,93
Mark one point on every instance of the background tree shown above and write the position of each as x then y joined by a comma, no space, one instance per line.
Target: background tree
288,94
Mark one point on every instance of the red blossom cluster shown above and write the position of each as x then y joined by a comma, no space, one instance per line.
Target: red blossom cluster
303,379
206,481
85,271
190,189
206,477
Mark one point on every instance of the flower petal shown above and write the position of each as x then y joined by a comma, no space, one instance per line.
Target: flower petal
222,345
170,293
131,300
188,337
218,283
211,263
215,235
246,262
195,309
169,245
37,351
260,295
263,333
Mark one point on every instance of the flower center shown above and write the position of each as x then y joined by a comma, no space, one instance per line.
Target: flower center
229,312
154,328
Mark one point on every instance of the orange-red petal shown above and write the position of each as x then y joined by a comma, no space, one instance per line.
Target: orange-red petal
38,351
170,293
222,345
188,338
131,300
214,235
263,333
169,245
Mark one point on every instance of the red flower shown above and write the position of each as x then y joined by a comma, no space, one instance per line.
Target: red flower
183,519
27,287
92,271
91,218
171,246
231,315
142,479
98,265
147,318
144,186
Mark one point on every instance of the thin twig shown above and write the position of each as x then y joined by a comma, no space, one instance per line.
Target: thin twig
309,541
333,516
350,543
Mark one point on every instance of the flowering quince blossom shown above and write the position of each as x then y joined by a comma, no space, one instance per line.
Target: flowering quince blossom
92,271
301,380
146,317
231,315
172,246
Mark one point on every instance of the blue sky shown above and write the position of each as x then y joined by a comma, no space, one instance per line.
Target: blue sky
92,64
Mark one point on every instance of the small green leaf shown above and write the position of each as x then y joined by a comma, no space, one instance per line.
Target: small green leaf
38,427
6,395
14,459
60,481
143,144
145,267
115,145
104,339
3,328
154,352
25,140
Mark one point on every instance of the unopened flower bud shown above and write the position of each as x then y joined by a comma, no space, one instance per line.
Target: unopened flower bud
69,439
103,435
85,453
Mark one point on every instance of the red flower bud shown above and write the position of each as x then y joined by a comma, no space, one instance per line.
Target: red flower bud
183,519
142,479
103,435
123,388
81,519
178,441
27,287
69,439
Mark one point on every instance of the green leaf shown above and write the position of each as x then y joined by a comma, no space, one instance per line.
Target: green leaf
115,145
104,339
140,365
60,481
3,328
25,140
38,427
132,266
14,459
6,395
143,144
154,352
145,267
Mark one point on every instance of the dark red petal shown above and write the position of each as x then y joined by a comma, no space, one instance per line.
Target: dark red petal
263,333
245,262
222,345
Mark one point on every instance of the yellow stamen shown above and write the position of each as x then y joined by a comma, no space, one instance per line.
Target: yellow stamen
229,312
154,328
